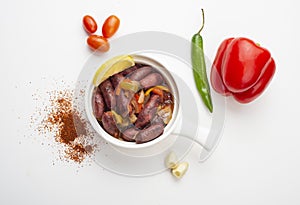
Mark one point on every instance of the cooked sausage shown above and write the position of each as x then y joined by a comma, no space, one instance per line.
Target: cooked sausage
109,124
108,94
151,80
149,133
140,73
98,104
123,100
129,70
130,134
149,111
116,79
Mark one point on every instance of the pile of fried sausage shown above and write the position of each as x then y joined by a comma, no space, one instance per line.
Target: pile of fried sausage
134,105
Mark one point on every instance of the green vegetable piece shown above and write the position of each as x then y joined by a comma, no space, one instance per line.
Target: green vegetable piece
199,68
133,86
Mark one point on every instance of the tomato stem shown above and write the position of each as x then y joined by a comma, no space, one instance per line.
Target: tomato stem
202,10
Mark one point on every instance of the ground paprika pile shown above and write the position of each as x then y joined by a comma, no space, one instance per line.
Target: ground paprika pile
66,124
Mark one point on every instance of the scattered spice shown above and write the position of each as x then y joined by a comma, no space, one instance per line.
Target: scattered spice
69,128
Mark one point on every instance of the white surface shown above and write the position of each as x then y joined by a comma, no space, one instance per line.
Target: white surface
257,161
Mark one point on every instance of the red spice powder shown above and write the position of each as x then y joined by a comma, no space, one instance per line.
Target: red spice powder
68,127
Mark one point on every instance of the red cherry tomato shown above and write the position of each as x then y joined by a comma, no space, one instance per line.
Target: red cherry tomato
98,43
110,26
89,24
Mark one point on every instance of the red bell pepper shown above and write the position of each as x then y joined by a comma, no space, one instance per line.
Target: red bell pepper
242,69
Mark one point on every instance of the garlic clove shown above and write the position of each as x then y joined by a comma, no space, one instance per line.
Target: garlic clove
180,170
171,160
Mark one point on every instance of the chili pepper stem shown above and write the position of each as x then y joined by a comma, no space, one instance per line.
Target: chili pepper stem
203,21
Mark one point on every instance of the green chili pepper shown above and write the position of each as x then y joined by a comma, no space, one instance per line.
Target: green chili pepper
199,68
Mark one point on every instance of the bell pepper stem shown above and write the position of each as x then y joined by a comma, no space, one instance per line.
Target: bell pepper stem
203,21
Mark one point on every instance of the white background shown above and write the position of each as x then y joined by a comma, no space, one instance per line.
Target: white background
258,159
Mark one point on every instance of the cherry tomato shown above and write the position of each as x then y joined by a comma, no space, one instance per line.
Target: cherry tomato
98,43
110,26
89,24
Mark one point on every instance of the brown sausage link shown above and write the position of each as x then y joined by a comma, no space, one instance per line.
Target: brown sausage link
151,80
123,101
149,133
148,113
108,94
129,70
116,79
109,124
140,73
130,134
98,104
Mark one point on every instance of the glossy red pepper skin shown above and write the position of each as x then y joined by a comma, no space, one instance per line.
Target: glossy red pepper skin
253,92
242,69
215,75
